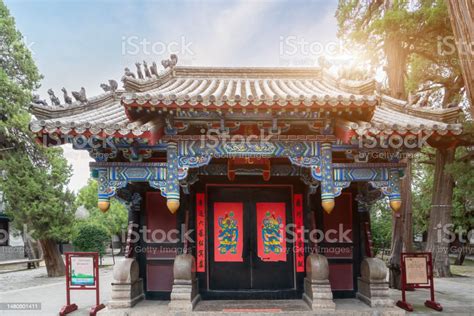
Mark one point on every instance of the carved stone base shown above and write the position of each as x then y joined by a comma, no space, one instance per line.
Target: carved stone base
372,284
317,289
126,294
127,288
318,295
184,295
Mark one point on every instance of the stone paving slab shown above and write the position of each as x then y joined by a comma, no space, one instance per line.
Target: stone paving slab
344,307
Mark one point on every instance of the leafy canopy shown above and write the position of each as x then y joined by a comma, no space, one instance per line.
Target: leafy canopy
114,220
37,196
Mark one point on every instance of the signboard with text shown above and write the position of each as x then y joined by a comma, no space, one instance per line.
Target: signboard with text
417,272
82,271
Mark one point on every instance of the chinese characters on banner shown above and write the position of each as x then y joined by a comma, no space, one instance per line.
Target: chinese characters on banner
299,230
271,234
228,232
201,233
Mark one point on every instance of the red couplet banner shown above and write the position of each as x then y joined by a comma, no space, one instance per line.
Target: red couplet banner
228,232
271,234
201,232
299,229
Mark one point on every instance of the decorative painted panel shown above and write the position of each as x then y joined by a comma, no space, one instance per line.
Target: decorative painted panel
228,232
271,234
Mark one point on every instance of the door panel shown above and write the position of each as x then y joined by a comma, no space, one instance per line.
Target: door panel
271,275
228,275
253,273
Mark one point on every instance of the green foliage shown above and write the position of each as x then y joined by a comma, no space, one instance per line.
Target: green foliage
38,196
463,194
421,29
462,171
381,225
89,237
18,73
422,185
114,220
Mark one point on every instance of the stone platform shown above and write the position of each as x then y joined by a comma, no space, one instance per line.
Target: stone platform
344,307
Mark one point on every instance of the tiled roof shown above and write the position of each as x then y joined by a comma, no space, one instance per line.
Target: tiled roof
208,88
104,113
215,87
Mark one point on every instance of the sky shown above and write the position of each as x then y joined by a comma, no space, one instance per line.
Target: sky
84,43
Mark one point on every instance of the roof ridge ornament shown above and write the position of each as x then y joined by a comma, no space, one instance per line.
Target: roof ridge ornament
111,87
54,99
67,98
171,62
80,96
37,101
147,71
154,69
128,73
139,70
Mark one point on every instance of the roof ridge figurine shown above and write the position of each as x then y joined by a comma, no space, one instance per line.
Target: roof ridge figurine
67,99
54,99
111,87
80,96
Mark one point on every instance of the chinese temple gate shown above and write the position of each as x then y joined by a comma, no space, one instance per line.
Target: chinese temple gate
230,157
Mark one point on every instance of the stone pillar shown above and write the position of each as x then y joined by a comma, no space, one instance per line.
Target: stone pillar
127,287
372,284
184,294
317,290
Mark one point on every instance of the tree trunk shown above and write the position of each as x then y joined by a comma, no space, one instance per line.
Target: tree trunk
396,251
407,208
402,230
396,67
440,214
462,14
461,255
52,258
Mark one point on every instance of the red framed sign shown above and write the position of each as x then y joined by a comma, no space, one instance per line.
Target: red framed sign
417,272
82,273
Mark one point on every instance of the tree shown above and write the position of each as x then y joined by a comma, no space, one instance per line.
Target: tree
18,75
462,15
38,198
462,218
114,220
90,237
463,199
381,225
402,37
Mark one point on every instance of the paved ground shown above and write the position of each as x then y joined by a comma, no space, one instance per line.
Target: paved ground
33,286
